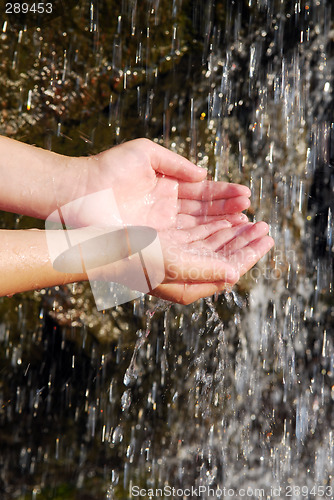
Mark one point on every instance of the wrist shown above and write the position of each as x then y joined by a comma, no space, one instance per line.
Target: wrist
35,181
68,180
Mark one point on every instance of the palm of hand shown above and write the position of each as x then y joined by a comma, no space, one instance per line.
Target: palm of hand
143,196
204,259
148,193
202,252
155,205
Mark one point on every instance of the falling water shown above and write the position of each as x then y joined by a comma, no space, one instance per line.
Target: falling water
233,393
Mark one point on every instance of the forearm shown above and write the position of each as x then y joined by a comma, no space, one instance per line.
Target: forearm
25,263
35,182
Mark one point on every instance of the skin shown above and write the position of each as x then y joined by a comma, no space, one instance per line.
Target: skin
206,240
220,263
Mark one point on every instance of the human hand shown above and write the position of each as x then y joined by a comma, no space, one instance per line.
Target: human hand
152,187
198,261
155,187
203,261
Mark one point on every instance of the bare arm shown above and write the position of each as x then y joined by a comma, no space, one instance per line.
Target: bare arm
35,182
152,187
25,263
222,255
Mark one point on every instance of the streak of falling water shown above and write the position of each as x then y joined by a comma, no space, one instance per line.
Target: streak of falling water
131,372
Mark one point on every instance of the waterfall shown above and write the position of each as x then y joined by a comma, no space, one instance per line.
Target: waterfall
231,396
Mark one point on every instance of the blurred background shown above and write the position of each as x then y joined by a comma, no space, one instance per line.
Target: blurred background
235,390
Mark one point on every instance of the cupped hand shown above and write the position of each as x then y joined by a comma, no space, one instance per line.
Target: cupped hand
198,261
158,188
207,242
206,259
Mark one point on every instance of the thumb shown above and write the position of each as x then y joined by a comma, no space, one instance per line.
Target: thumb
169,163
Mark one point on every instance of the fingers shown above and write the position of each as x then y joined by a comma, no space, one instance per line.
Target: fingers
184,221
245,258
169,163
188,292
244,237
210,190
236,219
200,262
221,207
197,266
220,238
190,286
198,233
195,291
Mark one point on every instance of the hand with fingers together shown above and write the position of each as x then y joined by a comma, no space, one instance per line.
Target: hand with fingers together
204,259
159,188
